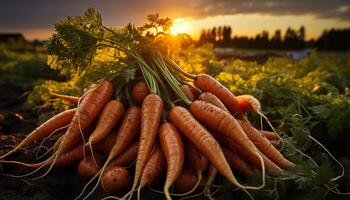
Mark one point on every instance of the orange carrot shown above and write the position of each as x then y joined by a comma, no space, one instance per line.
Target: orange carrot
71,99
70,157
89,109
236,162
204,142
188,91
265,146
44,130
126,134
140,91
115,179
105,145
111,114
210,98
173,150
195,91
248,103
269,135
186,181
223,123
57,144
152,170
151,112
197,160
252,159
126,157
87,167
207,83
276,143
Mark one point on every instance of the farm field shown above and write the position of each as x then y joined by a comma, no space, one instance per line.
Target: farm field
310,96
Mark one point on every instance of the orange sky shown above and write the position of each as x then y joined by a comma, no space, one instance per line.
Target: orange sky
242,24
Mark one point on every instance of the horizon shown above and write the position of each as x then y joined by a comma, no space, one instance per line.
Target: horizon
36,19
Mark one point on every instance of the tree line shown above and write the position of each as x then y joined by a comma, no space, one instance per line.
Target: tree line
291,39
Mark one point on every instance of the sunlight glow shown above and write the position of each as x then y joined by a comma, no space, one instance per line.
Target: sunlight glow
180,25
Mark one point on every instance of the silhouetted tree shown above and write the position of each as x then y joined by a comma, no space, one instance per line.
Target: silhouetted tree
213,35
301,33
334,40
219,33
226,39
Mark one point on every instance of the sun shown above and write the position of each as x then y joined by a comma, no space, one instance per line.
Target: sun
180,25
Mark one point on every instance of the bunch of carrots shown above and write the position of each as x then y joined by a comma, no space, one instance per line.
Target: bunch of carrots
187,128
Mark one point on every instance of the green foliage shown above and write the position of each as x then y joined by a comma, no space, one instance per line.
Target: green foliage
316,87
74,44
21,70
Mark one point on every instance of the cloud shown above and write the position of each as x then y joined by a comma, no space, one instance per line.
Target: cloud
36,14
339,9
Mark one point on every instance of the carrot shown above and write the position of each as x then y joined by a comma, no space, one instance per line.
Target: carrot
210,98
115,179
104,146
87,133
252,159
126,134
89,109
276,143
212,172
152,170
207,83
204,142
71,99
269,135
188,91
186,181
70,157
87,167
57,143
197,160
44,130
223,123
265,146
236,162
195,91
248,103
127,157
140,91
173,150
151,112
111,114
87,112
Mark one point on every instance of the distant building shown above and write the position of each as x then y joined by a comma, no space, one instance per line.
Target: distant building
12,38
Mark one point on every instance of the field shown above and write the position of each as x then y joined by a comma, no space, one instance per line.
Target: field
305,97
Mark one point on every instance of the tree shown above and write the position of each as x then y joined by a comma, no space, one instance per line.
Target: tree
226,35
213,35
301,33
219,33
277,37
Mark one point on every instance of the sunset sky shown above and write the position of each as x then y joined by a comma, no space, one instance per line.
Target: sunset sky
35,18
